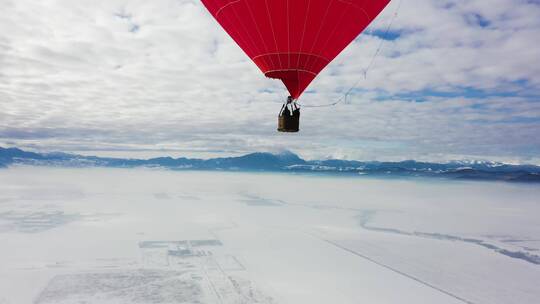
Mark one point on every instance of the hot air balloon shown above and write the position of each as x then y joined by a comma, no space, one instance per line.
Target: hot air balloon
293,40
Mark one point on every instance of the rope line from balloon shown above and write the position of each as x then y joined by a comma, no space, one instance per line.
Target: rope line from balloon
365,70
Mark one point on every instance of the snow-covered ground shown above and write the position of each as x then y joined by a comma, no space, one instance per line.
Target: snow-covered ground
155,236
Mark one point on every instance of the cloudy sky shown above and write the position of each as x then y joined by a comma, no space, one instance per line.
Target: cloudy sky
454,79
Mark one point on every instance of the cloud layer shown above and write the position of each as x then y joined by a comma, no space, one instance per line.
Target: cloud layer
455,79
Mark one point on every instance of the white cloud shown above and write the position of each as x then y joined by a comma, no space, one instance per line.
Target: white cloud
162,74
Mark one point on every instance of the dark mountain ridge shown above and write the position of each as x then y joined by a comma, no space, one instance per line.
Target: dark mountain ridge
287,162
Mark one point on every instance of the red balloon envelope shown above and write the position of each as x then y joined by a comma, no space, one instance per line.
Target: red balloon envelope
293,40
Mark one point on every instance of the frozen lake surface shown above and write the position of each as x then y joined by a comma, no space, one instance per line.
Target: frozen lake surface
156,236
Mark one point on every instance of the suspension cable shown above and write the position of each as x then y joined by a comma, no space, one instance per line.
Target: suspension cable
366,69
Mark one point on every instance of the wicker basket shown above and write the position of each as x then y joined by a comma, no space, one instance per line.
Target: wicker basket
288,122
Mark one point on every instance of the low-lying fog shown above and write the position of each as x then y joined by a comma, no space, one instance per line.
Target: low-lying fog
155,236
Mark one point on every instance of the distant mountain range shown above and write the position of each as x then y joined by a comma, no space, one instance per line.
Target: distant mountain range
288,162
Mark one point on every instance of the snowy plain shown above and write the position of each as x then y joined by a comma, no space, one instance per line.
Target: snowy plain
155,236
